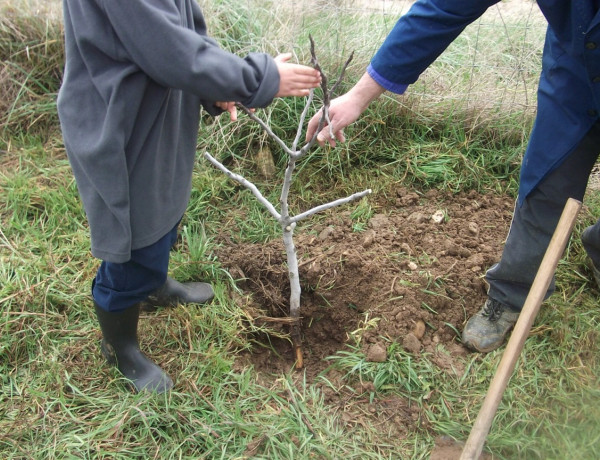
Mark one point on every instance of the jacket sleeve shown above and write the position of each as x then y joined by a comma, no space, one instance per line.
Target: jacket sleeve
153,36
419,37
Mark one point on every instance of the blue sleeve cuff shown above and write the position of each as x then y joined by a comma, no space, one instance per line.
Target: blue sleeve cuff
398,88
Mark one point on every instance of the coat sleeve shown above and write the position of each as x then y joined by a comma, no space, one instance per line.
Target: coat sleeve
176,56
420,36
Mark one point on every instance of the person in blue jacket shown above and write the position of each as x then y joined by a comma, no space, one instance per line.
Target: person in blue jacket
137,74
562,149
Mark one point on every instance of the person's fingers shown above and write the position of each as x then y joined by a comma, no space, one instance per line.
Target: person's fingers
325,137
303,70
298,92
299,72
312,125
302,81
232,112
297,87
228,107
283,57
321,138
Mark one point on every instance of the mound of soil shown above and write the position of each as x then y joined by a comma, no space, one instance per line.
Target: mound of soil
413,276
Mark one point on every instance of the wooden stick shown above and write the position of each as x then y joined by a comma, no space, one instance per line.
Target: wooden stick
474,444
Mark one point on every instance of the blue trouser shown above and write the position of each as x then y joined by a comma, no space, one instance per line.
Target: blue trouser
119,286
534,222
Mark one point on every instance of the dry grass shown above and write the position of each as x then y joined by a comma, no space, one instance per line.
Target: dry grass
31,52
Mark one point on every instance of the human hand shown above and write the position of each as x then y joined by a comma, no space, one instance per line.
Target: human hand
228,107
343,111
295,79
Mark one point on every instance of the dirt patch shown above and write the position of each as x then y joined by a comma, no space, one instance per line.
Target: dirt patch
412,276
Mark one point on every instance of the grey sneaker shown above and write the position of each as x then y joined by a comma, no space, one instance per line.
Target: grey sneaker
486,330
596,273
591,250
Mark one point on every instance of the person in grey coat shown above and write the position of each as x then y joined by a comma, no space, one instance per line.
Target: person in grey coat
137,74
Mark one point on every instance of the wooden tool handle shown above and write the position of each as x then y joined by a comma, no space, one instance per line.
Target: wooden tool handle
481,427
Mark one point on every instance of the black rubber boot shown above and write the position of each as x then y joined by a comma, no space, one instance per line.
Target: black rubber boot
173,293
120,347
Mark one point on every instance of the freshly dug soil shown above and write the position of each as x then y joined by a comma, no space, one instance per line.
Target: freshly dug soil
412,276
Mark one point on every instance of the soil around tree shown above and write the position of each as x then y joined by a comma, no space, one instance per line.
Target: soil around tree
413,275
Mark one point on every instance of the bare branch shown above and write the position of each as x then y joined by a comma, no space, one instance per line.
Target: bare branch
264,126
326,98
302,118
249,185
340,78
285,188
327,93
329,205
316,65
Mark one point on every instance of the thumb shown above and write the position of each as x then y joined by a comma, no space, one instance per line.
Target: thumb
284,57
313,124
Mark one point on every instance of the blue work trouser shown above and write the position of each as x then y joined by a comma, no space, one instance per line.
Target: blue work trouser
534,222
119,286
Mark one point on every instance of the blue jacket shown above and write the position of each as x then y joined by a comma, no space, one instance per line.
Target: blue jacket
569,87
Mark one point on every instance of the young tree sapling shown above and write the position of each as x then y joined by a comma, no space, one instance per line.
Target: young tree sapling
287,221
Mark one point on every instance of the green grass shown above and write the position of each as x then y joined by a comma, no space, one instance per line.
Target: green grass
58,398
32,61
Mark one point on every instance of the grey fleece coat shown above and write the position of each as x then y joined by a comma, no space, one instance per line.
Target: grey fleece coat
137,73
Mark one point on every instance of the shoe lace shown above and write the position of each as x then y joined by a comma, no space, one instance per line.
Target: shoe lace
493,310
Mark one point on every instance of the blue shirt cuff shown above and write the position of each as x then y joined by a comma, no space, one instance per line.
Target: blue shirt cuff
398,88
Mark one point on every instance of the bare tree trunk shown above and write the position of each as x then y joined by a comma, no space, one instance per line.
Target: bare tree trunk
295,291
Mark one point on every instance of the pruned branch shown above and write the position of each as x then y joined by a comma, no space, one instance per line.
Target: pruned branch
266,127
246,183
302,118
341,77
332,204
